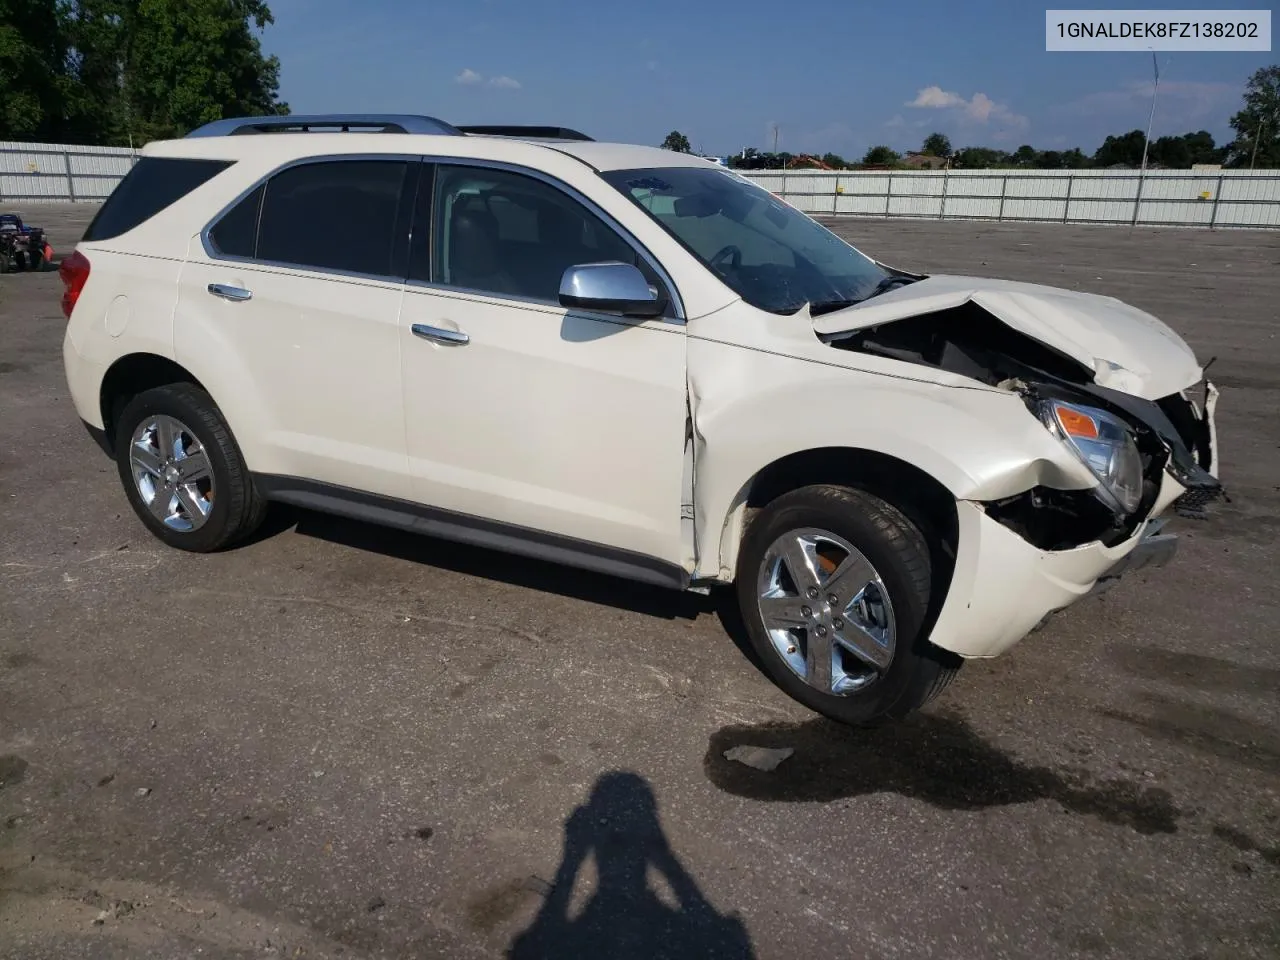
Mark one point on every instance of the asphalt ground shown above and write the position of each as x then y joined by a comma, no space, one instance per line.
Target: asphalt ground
338,741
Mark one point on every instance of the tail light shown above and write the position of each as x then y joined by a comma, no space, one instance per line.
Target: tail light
74,271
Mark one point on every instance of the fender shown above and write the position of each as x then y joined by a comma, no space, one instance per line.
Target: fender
980,444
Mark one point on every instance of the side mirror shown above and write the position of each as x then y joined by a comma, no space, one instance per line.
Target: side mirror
610,288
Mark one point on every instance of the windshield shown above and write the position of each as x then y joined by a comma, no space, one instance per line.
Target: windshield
769,253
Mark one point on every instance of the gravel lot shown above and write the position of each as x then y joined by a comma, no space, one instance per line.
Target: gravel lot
342,741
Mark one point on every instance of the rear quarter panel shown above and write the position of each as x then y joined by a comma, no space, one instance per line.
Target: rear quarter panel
125,307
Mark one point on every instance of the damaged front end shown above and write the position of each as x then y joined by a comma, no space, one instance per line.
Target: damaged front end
1130,444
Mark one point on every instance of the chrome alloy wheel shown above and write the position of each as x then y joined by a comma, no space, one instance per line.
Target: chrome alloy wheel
172,473
826,611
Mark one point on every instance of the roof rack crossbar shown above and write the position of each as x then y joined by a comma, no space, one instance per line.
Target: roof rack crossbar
327,122
524,132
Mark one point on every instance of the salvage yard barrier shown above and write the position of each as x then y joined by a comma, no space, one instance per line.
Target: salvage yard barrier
1181,198
54,171
1173,198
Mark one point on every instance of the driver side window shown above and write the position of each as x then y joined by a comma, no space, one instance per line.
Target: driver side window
512,235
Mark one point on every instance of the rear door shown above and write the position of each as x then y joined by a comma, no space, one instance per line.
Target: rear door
289,306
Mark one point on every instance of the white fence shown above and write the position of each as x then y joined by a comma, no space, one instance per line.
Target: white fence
1230,198
53,171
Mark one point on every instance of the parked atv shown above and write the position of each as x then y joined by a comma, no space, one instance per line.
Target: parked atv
22,246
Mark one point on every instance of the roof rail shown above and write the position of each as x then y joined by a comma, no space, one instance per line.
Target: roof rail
526,133
326,122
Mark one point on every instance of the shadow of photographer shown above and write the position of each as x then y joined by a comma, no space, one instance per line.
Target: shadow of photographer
624,918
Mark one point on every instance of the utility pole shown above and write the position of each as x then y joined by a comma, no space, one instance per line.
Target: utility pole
775,138
1146,144
1151,119
1262,125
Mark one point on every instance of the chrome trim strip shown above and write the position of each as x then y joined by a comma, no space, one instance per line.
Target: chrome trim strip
417,517
677,304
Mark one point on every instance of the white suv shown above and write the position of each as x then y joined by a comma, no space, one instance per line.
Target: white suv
626,360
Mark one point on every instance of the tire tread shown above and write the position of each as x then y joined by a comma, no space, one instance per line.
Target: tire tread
247,507
931,669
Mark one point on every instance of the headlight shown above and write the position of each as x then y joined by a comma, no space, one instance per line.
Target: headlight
1104,444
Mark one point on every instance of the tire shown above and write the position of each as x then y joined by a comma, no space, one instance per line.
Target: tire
910,671
35,261
229,504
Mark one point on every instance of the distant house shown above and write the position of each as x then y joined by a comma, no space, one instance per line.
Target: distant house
924,161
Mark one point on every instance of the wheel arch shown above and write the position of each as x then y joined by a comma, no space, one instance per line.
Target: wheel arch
924,499
129,376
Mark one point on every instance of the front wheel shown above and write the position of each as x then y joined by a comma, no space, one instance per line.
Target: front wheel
834,587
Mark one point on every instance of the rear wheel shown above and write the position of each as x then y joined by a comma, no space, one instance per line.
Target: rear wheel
834,587
182,470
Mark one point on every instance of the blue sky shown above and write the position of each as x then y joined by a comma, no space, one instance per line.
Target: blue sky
832,75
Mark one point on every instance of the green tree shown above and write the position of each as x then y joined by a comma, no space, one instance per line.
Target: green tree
1074,159
34,83
135,70
676,141
98,36
835,161
193,61
936,145
880,155
1125,150
1201,147
1026,156
979,158
1170,152
1257,126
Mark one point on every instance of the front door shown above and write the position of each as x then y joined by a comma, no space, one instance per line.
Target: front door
521,411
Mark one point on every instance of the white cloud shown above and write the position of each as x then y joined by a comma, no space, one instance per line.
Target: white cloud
937,97
1180,99
469,78
979,108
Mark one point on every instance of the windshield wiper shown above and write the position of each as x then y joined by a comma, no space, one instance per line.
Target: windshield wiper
885,284
827,306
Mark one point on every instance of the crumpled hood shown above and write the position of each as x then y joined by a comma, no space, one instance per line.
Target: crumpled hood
1126,348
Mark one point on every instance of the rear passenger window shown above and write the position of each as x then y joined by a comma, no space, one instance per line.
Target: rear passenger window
236,234
338,215
153,184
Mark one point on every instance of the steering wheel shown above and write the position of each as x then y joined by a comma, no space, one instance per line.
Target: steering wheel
732,253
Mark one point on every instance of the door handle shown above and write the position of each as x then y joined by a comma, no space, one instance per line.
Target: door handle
228,292
452,338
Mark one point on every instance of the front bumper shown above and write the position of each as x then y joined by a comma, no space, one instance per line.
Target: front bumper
1155,548
1003,587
